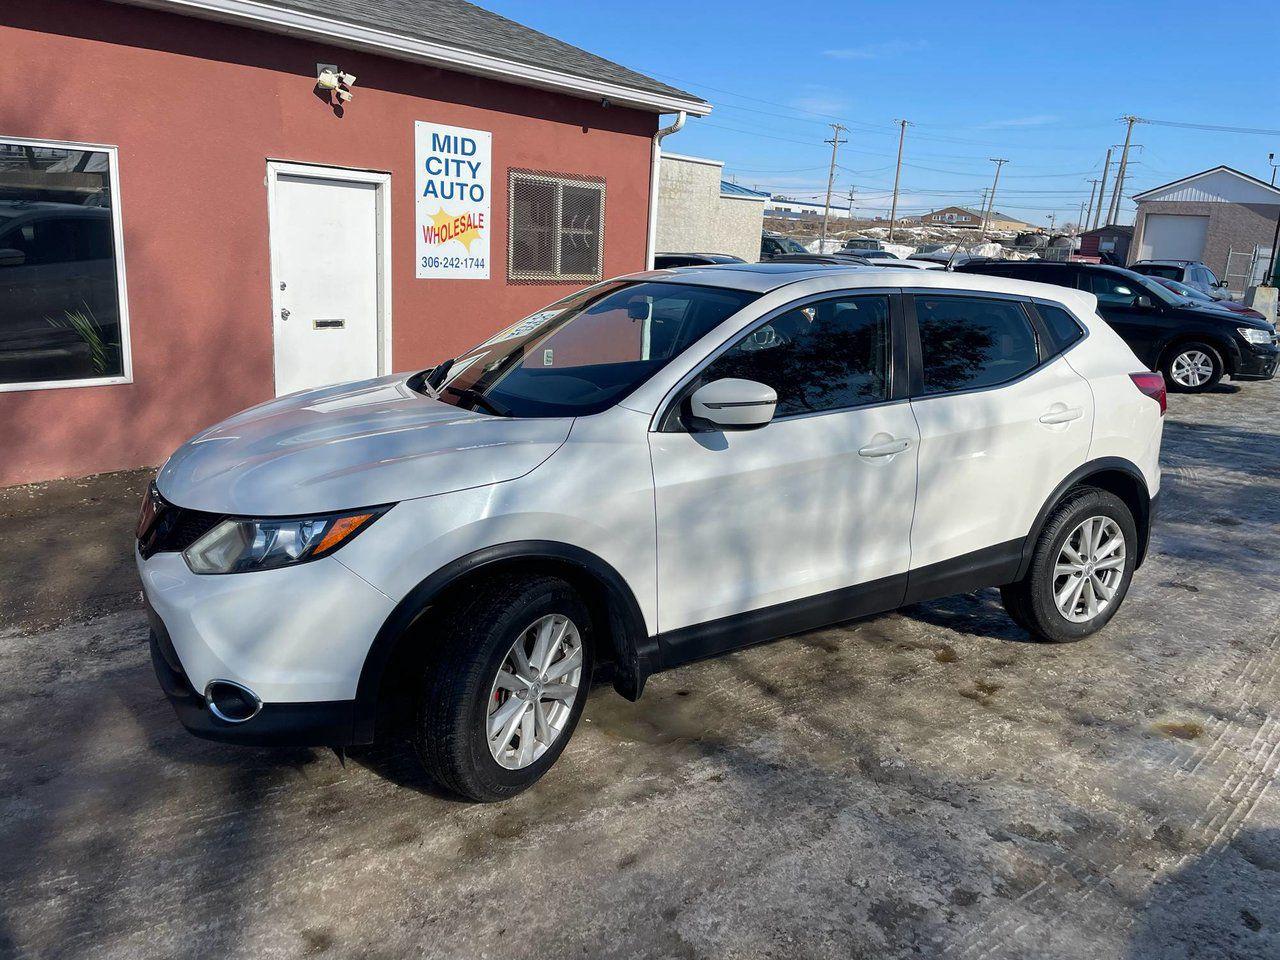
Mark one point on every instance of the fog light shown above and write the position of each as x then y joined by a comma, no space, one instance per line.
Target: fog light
231,702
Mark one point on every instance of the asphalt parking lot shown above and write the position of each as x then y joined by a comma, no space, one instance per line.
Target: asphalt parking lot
922,784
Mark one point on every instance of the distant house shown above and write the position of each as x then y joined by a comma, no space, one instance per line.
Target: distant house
1205,217
967,217
701,212
1112,239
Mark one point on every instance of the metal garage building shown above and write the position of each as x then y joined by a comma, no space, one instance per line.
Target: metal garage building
1221,216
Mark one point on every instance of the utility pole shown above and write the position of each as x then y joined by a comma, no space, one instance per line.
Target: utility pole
1113,214
1271,159
835,141
1102,192
897,176
991,197
1080,219
1088,214
851,206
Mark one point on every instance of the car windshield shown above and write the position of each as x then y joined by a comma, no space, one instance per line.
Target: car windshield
790,245
1191,293
586,352
1158,290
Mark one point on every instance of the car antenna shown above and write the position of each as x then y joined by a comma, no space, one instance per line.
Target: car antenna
950,259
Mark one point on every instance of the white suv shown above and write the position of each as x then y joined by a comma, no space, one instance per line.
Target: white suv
657,469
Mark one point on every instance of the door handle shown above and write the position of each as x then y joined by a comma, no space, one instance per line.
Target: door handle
886,449
1062,415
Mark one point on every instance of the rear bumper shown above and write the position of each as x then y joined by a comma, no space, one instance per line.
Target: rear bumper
322,724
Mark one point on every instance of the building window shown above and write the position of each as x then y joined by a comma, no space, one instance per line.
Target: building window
555,227
63,320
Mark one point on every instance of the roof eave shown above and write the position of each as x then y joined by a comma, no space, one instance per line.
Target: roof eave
263,16
1195,176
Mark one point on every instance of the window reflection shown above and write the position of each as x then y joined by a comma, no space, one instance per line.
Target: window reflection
970,342
823,356
59,315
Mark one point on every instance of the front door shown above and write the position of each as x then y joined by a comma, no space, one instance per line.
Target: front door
328,237
801,510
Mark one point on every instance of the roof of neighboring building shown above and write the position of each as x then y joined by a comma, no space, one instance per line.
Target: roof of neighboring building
1127,230
1220,168
730,189
452,34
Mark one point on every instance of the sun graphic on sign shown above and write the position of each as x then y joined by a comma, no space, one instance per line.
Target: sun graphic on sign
463,228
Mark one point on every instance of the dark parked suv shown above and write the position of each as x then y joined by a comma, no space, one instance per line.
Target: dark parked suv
1194,347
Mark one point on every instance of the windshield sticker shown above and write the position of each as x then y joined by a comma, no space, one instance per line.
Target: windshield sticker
524,327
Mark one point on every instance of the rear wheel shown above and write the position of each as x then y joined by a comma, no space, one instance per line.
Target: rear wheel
500,701
1193,367
1080,571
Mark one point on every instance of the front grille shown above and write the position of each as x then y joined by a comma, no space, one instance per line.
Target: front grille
171,529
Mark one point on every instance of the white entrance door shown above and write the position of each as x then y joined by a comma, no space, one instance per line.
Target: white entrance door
330,285
1173,237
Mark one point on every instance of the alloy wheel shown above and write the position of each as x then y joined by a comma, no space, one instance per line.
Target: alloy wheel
1192,368
534,691
1089,569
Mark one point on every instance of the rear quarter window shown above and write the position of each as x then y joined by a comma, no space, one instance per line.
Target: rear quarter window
1063,328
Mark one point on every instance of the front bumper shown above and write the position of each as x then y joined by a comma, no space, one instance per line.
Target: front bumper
1257,362
276,724
297,637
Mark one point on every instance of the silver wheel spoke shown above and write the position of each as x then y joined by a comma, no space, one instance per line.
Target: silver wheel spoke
1066,569
1090,599
542,643
1111,563
512,682
1070,553
1100,589
503,722
526,737
521,661
564,665
560,691
542,729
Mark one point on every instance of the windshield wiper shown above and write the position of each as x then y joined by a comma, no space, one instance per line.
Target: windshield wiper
438,373
478,399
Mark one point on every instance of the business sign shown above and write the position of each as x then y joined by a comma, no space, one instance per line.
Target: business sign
454,167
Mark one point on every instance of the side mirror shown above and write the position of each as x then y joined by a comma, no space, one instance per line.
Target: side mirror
12,258
734,404
1143,301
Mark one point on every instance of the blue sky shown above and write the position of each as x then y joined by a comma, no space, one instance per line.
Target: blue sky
1041,84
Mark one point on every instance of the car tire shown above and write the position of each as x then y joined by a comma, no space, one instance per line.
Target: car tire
1192,367
1070,576
461,694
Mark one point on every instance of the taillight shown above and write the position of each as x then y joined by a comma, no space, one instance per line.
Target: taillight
1152,385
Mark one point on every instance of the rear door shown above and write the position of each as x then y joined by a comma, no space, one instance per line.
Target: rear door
1003,419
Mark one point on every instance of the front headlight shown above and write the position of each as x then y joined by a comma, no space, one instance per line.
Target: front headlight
238,546
1254,335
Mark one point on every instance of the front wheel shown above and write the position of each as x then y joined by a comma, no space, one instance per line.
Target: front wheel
1080,571
501,698
1193,368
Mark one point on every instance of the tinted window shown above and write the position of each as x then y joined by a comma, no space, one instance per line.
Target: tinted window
1114,289
586,352
59,307
822,356
1160,270
967,342
1063,328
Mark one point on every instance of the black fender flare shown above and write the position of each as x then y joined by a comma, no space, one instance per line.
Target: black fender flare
634,649
1074,478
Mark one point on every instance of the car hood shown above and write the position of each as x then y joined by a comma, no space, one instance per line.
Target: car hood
353,445
1227,313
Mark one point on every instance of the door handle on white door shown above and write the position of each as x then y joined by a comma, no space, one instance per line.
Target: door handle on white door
1061,414
886,449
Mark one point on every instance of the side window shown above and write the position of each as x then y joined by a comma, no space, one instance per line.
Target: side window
822,356
1113,289
968,342
1063,328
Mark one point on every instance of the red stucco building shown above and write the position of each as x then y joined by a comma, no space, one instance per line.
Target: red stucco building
191,223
